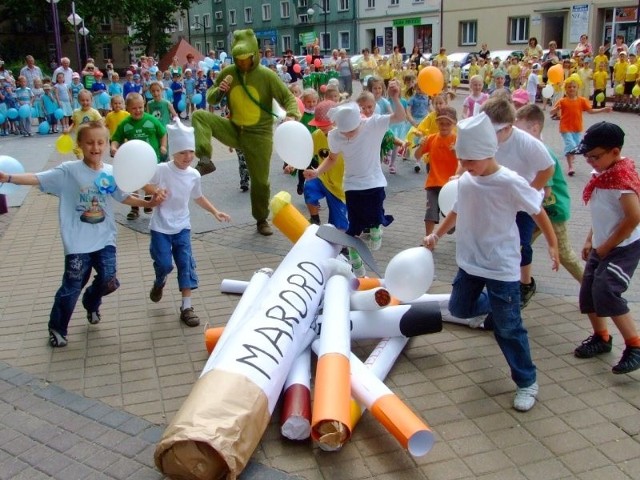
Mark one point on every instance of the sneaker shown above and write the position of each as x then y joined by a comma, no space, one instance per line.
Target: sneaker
571,172
525,398
155,295
147,210
205,166
592,346
189,317
93,317
264,228
375,239
133,213
629,362
56,339
526,293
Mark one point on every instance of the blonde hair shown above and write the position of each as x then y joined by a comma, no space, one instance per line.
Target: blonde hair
309,92
133,97
93,125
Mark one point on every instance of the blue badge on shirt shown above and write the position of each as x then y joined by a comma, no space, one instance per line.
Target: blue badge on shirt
106,183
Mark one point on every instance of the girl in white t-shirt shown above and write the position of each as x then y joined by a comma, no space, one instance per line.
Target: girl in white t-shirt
471,105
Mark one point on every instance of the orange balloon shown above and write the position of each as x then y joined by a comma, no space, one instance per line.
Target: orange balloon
556,74
431,80
308,58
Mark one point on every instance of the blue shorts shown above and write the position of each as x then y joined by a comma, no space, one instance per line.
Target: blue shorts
315,190
571,141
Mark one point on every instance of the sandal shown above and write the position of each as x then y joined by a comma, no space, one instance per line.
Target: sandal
56,339
133,214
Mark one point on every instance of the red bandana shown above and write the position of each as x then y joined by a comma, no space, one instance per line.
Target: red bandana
622,175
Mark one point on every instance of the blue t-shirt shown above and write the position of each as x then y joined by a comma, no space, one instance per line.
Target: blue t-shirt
87,222
190,85
419,105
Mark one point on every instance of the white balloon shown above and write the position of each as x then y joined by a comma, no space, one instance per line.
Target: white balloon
409,274
278,111
547,91
222,56
294,144
11,166
448,196
134,164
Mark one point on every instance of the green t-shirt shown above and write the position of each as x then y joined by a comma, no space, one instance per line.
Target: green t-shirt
160,110
558,204
148,129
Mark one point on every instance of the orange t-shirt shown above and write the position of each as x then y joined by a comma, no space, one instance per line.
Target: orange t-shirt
442,159
571,113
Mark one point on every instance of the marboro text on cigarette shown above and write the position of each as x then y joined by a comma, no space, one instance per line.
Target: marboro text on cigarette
308,281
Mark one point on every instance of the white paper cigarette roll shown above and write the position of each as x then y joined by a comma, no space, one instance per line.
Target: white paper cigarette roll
236,287
373,299
295,420
412,433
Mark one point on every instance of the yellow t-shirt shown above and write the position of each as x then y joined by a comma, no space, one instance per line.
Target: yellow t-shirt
384,70
514,71
600,80
80,116
113,119
620,71
600,58
332,178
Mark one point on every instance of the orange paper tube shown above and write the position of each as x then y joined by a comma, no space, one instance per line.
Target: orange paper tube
288,218
331,419
366,283
211,337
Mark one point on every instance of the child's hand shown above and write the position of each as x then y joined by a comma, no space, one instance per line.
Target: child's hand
222,217
158,197
555,258
4,177
113,151
288,170
586,250
430,241
310,174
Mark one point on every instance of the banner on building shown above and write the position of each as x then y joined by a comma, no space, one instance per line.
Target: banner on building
579,22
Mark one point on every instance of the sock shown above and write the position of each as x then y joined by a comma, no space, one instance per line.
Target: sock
632,342
186,303
603,334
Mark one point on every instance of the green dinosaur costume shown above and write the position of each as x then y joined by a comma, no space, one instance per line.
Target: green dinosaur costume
250,124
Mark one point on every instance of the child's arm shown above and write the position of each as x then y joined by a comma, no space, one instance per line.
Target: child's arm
208,206
542,177
158,196
543,222
163,144
630,204
172,110
19,178
555,108
399,114
430,241
327,164
600,110
114,147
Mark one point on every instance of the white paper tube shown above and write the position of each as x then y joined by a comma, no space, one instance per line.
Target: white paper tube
373,299
236,287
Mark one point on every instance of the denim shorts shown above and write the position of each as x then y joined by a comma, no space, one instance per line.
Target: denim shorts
165,249
314,191
571,141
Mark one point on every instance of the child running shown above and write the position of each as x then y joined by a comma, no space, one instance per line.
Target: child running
87,226
170,224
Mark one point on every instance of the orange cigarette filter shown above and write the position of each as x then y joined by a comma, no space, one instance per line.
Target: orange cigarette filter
366,283
331,419
211,337
287,218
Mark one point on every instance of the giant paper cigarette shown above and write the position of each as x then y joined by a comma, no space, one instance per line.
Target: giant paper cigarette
236,287
222,420
286,217
379,362
372,299
331,419
394,415
443,300
295,419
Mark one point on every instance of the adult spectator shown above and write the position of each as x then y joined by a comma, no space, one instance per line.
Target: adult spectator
368,65
316,55
484,52
65,69
376,55
345,72
416,55
396,59
6,75
550,59
191,63
289,63
333,60
175,67
584,48
268,59
616,48
533,50
108,66
31,71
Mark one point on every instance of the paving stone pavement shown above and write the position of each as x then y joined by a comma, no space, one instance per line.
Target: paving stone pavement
96,408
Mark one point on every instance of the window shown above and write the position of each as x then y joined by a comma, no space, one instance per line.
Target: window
286,42
181,23
325,6
248,15
343,5
105,25
394,3
217,1
303,18
325,41
218,15
219,28
284,10
220,44
469,32
266,12
198,46
107,50
232,17
344,40
518,29
206,20
371,3
196,22
302,3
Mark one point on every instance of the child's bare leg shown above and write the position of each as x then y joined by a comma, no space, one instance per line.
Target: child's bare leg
314,213
626,325
571,171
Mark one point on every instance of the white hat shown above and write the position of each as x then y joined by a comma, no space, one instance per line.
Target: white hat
476,138
181,138
346,117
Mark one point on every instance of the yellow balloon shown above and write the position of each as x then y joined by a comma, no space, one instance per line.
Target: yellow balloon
632,70
600,97
540,82
636,91
619,89
455,81
431,80
64,144
556,74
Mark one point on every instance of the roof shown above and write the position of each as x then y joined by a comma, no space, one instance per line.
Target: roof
179,50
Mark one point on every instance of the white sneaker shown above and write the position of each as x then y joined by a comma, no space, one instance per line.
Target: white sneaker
525,398
375,239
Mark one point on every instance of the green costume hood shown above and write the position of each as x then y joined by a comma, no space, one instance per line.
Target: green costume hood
245,43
